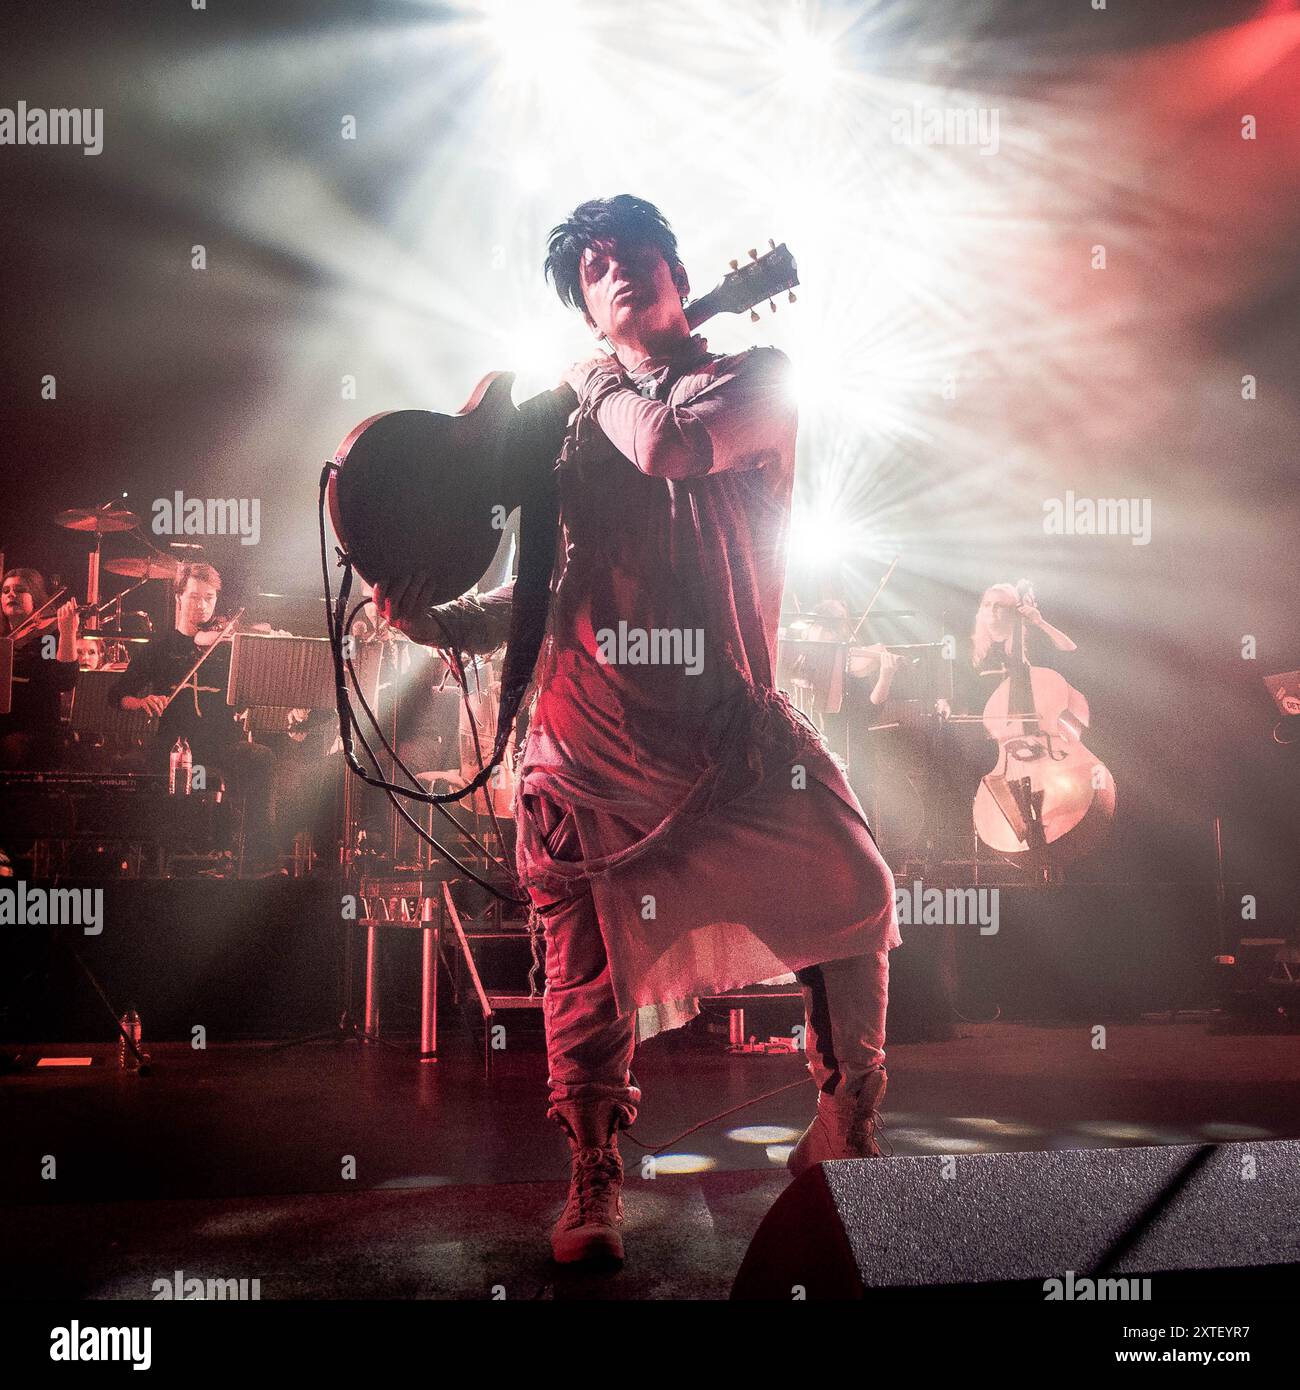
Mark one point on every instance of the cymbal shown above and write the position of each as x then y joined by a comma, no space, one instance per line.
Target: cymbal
99,519
153,567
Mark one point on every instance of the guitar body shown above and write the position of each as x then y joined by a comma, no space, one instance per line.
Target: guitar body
416,490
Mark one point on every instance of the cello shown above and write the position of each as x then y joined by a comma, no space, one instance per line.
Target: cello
1048,798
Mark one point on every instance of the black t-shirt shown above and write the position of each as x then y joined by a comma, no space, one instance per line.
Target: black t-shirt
199,713
972,685
39,680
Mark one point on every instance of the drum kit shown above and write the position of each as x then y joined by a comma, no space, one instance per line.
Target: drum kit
108,623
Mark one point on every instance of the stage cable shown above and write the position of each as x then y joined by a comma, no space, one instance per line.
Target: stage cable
336,620
401,810
655,1149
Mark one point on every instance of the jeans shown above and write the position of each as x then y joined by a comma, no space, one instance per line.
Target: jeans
589,1045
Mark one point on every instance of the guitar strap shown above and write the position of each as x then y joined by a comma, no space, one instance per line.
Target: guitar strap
536,441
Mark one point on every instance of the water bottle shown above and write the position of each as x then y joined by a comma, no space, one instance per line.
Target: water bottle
180,768
130,1024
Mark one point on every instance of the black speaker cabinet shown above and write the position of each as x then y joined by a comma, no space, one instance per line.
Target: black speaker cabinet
1210,1220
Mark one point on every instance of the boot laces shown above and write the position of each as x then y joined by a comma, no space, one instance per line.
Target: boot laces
862,1129
865,1130
597,1178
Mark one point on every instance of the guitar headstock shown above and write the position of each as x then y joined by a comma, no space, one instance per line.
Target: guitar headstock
748,284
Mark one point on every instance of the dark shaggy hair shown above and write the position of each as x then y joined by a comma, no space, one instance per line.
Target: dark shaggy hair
630,221
196,569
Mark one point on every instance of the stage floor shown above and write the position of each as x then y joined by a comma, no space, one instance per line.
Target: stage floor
230,1163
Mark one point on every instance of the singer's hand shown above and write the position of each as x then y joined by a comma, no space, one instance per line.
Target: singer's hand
576,375
405,602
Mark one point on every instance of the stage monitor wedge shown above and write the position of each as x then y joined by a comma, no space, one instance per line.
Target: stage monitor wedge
1199,1220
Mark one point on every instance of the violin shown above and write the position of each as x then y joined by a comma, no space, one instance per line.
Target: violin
44,617
866,661
225,629
1048,798
215,637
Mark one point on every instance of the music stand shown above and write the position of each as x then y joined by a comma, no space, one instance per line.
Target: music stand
812,673
95,712
298,673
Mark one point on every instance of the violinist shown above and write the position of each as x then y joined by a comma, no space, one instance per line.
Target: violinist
872,668
198,712
44,667
857,689
886,757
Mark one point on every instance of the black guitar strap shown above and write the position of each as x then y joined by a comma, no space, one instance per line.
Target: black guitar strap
536,442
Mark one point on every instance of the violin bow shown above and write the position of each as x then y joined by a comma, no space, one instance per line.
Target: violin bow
880,588
193,671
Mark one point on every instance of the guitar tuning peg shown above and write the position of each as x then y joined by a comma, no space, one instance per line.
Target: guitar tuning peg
794,299
753,254
735,265
771,244
753,316
771,304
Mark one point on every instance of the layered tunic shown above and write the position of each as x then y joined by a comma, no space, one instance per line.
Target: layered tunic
720,842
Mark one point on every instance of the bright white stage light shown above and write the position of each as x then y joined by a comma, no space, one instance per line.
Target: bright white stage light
763,1134
820,536
537,352
683,1163
532,170
807,62
535,37
812,386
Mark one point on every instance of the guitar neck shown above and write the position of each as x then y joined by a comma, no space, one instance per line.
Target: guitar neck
760,278
704,308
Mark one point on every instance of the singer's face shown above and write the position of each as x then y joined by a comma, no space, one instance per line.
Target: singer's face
629,291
